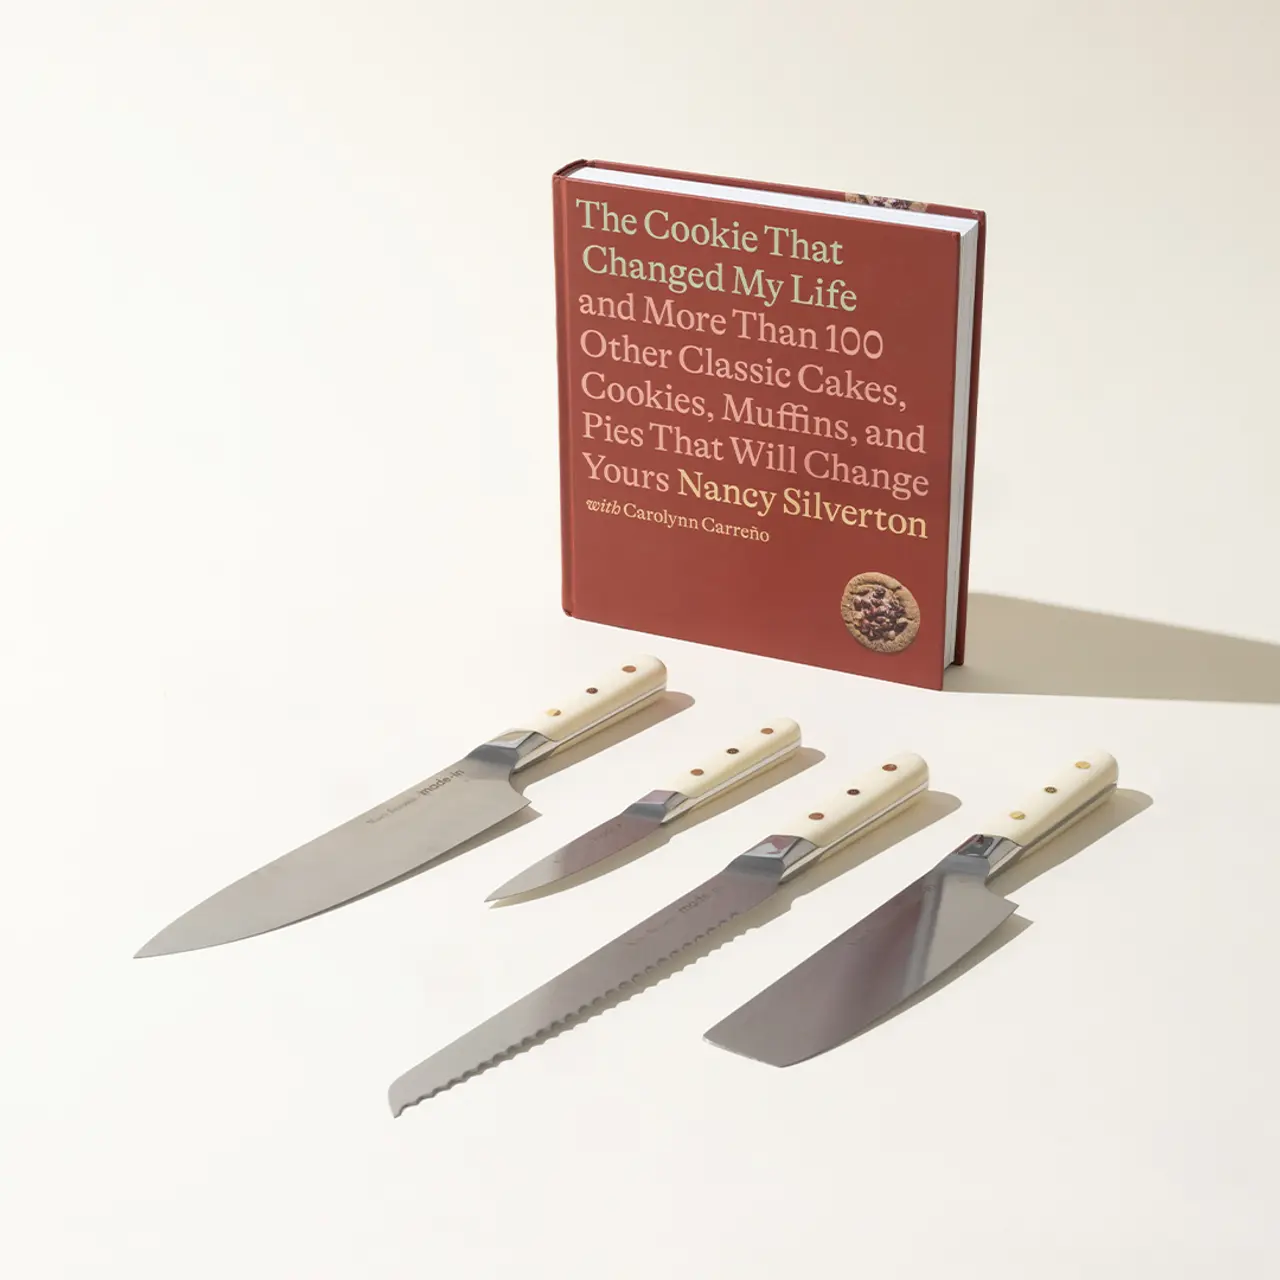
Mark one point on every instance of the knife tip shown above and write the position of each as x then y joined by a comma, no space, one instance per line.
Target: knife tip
512,889
400,1100
519,887
770,1057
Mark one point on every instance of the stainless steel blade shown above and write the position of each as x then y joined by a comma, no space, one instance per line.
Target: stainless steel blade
744,884
873,967
380,845
634,823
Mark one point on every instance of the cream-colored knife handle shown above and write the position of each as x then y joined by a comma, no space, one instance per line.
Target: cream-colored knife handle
764,746
616,693
863,803
1061,800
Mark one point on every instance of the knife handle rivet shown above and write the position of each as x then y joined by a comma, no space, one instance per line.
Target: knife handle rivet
816,817
1083,764
853,791
1051,790
628,669
766,730
731,751
888,768
554,711
1017,814
697,773
593,689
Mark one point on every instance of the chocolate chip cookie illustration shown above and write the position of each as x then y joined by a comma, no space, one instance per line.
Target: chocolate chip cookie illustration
880,612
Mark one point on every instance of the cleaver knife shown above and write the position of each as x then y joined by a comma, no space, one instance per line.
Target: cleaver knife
754,753
413,828
918,934
861,804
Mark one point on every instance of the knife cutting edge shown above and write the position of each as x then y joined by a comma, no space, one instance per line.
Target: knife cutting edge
861,804
904,944
748,757
413,828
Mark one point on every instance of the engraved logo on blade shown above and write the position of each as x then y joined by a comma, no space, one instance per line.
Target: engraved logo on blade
404,801
644,934
436,783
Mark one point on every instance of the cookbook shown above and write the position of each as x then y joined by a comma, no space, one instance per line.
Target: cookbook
768,401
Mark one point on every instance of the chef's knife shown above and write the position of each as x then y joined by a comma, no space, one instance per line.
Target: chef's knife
753,754
413,828
889,955
745,883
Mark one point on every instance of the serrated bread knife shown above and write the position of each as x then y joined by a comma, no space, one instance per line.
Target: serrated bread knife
914,937
413,828
763,747
745,883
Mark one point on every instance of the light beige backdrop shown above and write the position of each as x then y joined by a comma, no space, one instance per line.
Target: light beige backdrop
278,536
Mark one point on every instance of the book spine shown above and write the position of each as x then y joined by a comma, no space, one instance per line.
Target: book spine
962,608
559,193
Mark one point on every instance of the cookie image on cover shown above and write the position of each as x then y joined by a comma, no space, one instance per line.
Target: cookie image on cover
880,613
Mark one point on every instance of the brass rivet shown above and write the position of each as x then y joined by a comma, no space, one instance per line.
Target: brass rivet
1083,764
815,817
593,689
766,730
697,773
731,751
1051,790
555,711
888,768
853,791
628,668
1018,814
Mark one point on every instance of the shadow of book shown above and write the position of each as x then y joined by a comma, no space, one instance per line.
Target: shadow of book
1024,646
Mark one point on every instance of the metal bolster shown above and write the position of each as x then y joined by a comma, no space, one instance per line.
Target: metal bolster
512,749
659,804
777,855
995,851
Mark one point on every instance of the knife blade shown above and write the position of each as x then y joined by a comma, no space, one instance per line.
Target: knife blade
917,935
751,755
413,828
861,804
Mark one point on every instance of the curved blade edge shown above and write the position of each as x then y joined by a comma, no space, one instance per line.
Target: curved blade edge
378,846
618,833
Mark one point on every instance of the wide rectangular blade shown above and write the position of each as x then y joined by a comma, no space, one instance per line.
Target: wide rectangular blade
378,846
662,935
631,825
870,969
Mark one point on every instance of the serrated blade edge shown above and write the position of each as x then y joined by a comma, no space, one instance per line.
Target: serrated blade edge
663,935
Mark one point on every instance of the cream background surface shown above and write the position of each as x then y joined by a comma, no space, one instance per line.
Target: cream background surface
278,536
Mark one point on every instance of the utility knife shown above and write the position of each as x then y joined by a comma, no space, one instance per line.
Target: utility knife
413,828
860,804
763,747
914,937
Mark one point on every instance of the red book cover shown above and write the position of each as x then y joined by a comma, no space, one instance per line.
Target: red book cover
767,409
